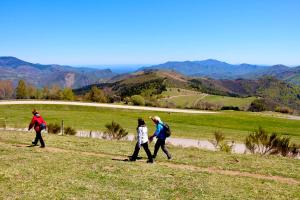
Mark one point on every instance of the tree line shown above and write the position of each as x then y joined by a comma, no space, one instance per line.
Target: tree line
25,90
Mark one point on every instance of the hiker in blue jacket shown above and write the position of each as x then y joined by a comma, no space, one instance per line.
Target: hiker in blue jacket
160,134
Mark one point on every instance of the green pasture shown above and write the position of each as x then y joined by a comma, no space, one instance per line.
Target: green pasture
84,168
187,99
235,125
229,101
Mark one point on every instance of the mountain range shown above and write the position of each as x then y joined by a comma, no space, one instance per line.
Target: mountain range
14,69
221,70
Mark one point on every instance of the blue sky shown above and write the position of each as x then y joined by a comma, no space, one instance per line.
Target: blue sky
78,32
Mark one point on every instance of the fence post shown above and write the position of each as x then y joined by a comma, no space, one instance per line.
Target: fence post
62,127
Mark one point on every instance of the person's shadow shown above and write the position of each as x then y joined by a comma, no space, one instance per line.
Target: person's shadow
126,159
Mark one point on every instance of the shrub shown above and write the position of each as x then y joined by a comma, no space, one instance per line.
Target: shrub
115,131
138,100
295,149
127,100
53,128
219,137
207,106
260,141
220,142
96,95
152,103
285,110
258,105
225,147
170,105
230,108
69,131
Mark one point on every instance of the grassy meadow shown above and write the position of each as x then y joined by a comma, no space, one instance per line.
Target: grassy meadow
84,168
188,98
234,125
229,101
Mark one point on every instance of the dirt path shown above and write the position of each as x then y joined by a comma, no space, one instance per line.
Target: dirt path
211,170
33,102
200,98
181,95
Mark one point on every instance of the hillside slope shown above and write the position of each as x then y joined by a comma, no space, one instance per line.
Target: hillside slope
154,82
86,168
39,75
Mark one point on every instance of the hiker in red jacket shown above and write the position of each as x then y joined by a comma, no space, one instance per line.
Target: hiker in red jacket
39,124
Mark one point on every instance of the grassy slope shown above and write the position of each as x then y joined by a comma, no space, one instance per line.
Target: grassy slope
194,97
236,125
72,168
229,101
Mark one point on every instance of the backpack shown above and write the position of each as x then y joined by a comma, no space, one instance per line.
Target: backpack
167,129
41,123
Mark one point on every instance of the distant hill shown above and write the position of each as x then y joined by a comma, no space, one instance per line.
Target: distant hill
267,87
14,69
221,70
152,82
209,68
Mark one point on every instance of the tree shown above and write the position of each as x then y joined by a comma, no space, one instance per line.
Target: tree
67,94
21,90
96,95
45,93
258,105
55,92
6,89
138,100
39,93
32,91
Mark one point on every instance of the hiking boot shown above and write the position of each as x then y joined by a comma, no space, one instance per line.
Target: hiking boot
132,159
149,161
42,146
170,158
33,144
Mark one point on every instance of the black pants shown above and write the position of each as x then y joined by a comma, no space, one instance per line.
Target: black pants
137,149
161,143
38,137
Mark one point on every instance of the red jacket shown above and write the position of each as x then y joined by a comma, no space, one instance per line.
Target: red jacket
36,122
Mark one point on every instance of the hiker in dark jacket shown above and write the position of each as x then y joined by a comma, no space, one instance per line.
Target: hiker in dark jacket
38,123
142,141
160,134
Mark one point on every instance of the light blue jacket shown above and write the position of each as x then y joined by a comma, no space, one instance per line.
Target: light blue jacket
160,132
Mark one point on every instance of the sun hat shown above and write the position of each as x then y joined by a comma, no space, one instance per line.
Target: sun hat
155,118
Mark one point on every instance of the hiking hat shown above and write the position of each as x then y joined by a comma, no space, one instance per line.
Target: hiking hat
156,119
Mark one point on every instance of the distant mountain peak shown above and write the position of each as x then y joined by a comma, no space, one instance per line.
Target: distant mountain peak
11,68
10,61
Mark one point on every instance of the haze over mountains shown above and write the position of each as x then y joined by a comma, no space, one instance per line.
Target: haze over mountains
221,70
14,69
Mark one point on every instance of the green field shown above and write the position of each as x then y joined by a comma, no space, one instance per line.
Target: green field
83,168
188,99
229,101
235,125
